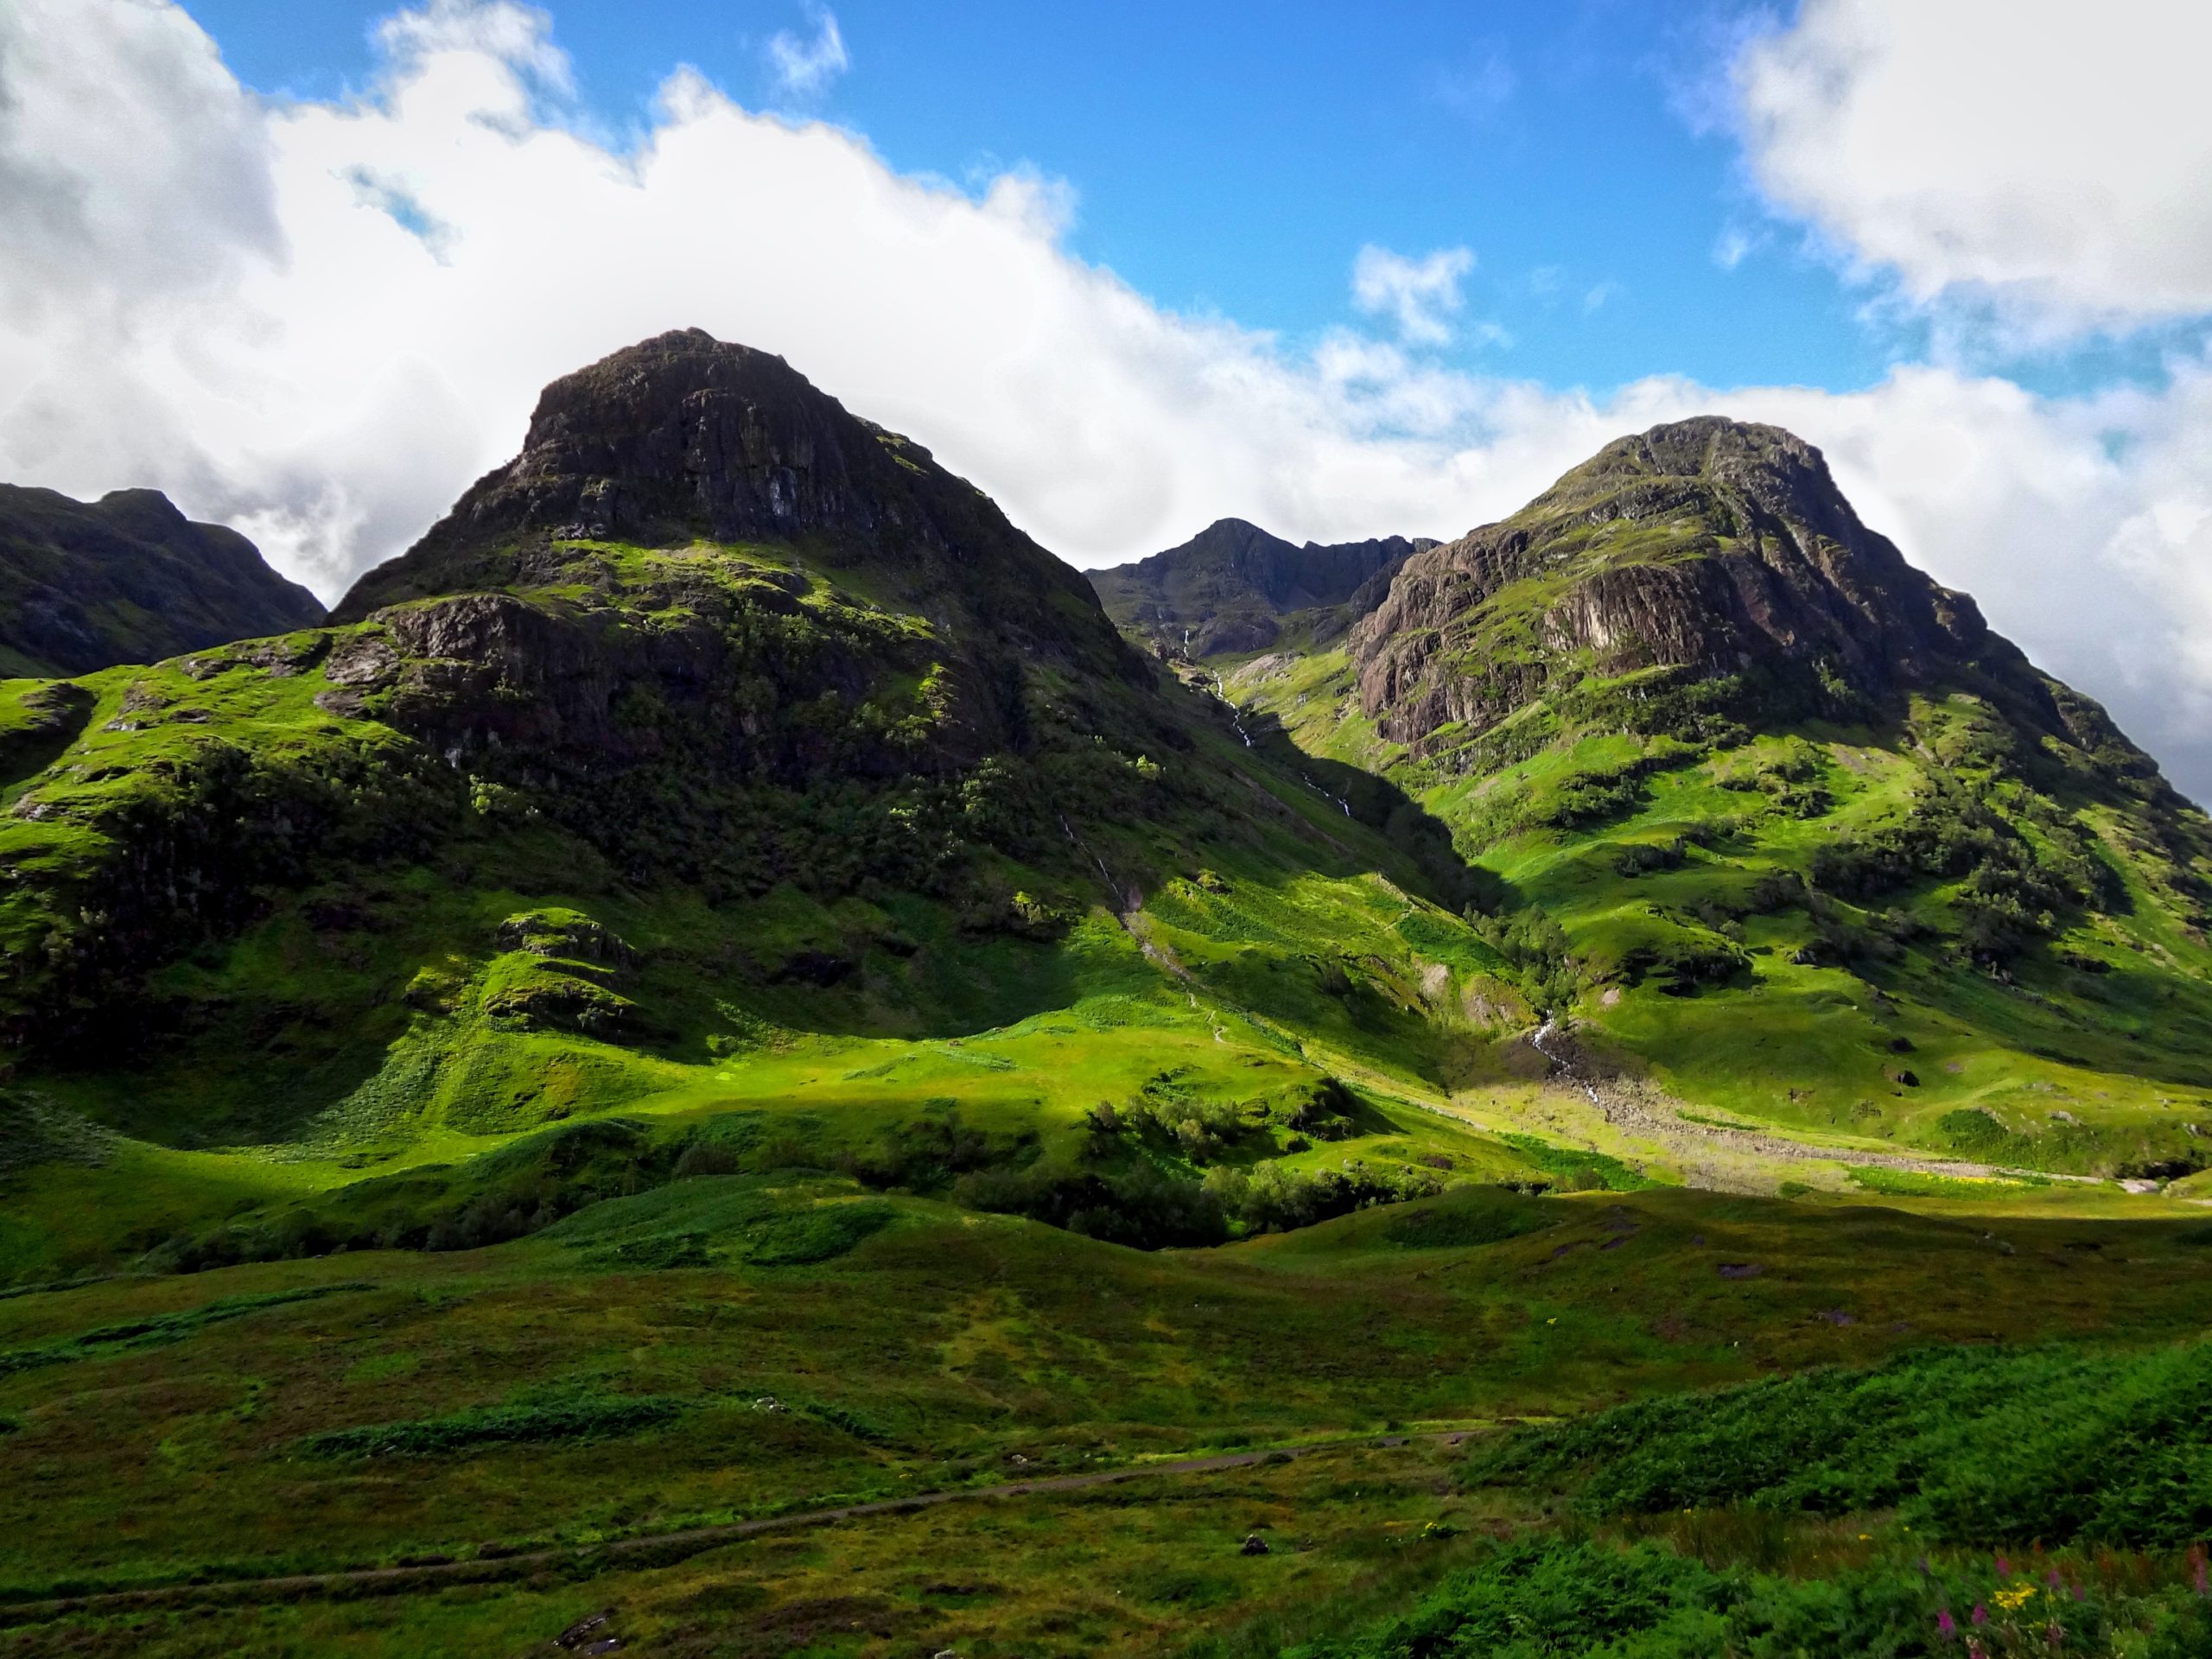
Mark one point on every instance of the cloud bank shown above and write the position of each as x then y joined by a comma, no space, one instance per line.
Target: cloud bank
2047,157
320,321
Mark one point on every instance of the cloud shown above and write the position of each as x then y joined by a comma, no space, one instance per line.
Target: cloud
803,69
164,189
1418,295
2049,163
239,303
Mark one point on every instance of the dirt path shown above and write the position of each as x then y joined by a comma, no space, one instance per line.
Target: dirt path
1694,1145
688,1541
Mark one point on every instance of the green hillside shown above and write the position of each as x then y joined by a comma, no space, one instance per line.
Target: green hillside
1868,875
883,828
717,1063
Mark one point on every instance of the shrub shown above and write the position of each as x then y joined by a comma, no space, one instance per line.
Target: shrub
1975,1445
546,1419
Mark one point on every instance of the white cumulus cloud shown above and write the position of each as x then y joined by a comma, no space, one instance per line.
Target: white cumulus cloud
320,321
2049,158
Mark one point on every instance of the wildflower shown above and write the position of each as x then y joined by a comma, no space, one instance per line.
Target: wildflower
1945,1626
2012,1600
2004,1567
2056,1635
1981,1615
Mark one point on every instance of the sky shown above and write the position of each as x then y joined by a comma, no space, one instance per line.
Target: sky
1342,271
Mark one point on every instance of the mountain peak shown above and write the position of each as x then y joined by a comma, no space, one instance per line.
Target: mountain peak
1232,586
1709,545
683,438
85,585
1767,466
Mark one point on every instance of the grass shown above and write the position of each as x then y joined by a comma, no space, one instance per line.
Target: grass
566,1417
605,1378
1701,958
1966,1446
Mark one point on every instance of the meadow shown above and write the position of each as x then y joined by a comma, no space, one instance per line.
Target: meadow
540,1414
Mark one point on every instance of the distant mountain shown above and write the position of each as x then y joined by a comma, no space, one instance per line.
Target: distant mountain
127,579
1233,587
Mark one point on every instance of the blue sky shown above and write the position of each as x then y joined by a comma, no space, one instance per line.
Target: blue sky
1233,160
1341,271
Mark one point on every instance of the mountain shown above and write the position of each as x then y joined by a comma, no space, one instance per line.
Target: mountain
1788,810
1233,589
719,991
720,741
128,579
1715,550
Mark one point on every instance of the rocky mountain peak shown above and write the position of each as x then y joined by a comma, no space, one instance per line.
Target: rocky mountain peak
686,438
1708,544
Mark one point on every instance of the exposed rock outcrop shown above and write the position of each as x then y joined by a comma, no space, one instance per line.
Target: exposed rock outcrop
684,437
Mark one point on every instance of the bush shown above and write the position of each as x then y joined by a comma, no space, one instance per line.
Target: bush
1553,1599
1970,1444
547,1418
1471,1216
1974,1130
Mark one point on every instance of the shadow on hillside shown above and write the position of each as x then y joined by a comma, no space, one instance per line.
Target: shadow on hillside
1441,874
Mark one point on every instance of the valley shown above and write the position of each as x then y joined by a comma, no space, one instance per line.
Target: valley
725,988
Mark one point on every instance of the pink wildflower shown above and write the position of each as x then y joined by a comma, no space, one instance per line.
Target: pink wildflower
2004,1567
1945,1626
1981,1615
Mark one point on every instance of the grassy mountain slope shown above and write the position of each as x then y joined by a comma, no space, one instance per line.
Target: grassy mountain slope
1780,822
720,748
1234,587
127,579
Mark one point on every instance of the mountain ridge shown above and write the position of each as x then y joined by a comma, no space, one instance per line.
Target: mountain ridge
127,578
1234,587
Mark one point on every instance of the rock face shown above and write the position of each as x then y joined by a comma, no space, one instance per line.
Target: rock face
697,450
684,437
1231,586
128,579
1708,546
